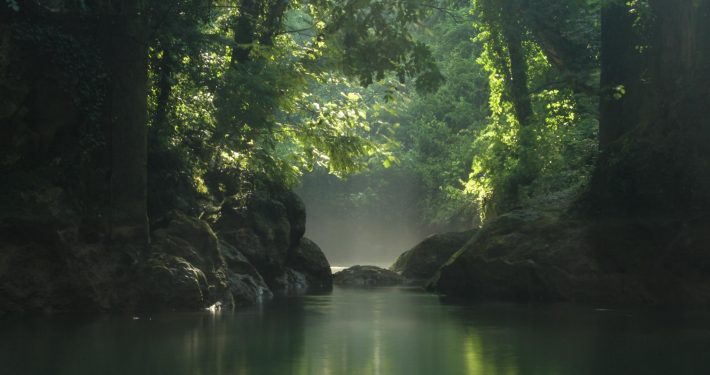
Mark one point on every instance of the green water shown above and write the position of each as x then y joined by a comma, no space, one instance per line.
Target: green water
386,331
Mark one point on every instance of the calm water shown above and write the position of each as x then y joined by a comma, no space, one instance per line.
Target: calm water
386,331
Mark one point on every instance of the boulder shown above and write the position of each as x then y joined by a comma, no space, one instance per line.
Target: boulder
174,284
521,256
367,276
260,230
267,229
308,260
245,283
290,282
421,262
296,214
529,255
52,260
186,264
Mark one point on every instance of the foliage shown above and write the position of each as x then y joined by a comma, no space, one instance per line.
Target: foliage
562,133
252,93
461,146
247,94
437,129
12,4
373,41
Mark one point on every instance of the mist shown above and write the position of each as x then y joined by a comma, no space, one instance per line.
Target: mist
348,241
367,219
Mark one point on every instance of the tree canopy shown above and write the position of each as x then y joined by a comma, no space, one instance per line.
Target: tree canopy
485,104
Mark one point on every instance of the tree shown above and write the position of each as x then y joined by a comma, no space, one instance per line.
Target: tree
652,128
229,89
126,41
619,73
507,35
540,135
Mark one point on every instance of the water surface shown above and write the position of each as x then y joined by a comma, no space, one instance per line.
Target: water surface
384,331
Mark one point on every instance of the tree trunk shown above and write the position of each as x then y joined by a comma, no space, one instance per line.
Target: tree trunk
273,21
655,158
164,87
619,75
518,77
128,69
244,32
517,82
680,67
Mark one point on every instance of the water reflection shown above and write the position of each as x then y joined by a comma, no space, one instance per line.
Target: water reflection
381,332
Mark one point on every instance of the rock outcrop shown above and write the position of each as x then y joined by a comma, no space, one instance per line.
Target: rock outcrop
260,229
185,266
268,230
37,269
367,276
245,282
421,262
308,260
75,206
532,255
55,262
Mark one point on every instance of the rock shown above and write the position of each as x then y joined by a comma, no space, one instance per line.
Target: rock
52,260
174,284
291,282
187,255
190,238
530,255
296,214
308,260
45,267
367,276
34,273
268,229
260,230
246,284
520,256
421,262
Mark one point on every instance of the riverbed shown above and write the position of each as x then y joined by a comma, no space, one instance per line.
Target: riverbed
388,331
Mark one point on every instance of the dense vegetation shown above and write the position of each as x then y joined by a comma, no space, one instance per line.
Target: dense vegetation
118,115
465,148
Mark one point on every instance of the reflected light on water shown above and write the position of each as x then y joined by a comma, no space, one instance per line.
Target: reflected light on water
377,341
472,354
360,332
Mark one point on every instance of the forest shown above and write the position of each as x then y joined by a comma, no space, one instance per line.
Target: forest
173,155
143,138
503,186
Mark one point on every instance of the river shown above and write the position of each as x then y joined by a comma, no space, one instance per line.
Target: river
383,331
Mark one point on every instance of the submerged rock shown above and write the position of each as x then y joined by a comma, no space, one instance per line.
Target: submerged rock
367,276
421,262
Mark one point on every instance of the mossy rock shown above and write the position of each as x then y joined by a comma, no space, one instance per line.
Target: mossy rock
422,261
